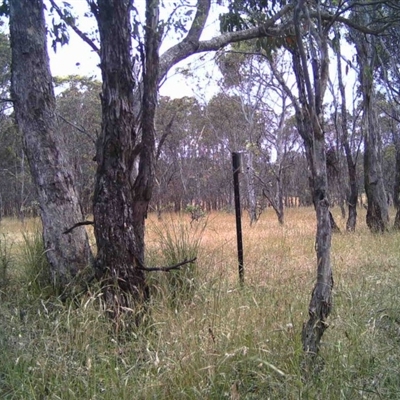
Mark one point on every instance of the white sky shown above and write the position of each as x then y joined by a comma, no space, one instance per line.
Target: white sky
78,58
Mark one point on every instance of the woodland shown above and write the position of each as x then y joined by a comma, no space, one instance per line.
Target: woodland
308,93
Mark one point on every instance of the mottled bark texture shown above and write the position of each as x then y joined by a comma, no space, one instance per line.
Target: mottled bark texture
309,117
122,195
321,299
34,105
377,211
309,122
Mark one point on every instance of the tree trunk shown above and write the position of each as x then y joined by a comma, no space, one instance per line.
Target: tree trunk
309,112
122,196
251,191
353,194
279,199
396,189
34,105
321,299
377,211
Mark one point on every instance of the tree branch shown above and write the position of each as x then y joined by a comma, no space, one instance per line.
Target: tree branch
167,269
192,45
77,225
82,130
349,23
71,24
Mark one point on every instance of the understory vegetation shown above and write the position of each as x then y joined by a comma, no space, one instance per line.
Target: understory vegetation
204,337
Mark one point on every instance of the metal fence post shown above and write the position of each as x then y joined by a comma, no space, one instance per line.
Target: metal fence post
237,168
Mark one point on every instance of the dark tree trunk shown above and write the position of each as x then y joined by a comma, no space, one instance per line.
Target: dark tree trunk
321,298
377,211
34,105
308,107
309,118
353,194
121,195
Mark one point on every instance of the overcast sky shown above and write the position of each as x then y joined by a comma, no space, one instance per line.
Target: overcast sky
78,58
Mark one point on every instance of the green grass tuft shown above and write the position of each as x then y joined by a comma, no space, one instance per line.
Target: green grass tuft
35,267
177,240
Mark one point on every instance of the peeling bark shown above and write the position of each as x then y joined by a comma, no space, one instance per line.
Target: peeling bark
34,105
309,121
122,195
377,211
309,117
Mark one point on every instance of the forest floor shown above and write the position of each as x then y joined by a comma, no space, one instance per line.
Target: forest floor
204,336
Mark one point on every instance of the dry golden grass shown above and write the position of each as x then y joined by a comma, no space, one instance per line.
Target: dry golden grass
221,342
14,229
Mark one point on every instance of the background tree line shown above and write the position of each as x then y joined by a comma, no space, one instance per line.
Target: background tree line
195,141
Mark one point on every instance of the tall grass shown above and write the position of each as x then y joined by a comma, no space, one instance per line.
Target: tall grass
176,240
34,264
222,342
6,259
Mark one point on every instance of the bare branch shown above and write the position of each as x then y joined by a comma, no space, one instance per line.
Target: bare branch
191,45
166,133
77,225
82,130
350,23
167,269
71,24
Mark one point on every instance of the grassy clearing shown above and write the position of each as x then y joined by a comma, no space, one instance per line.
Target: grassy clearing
219,342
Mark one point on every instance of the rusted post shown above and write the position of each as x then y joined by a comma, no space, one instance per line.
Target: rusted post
237,168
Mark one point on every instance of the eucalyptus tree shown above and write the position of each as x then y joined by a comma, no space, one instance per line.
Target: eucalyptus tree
389,78
265,107
367,59
126,141
35,112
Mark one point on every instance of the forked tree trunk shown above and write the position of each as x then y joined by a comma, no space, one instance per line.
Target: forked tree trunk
121,195
34,105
